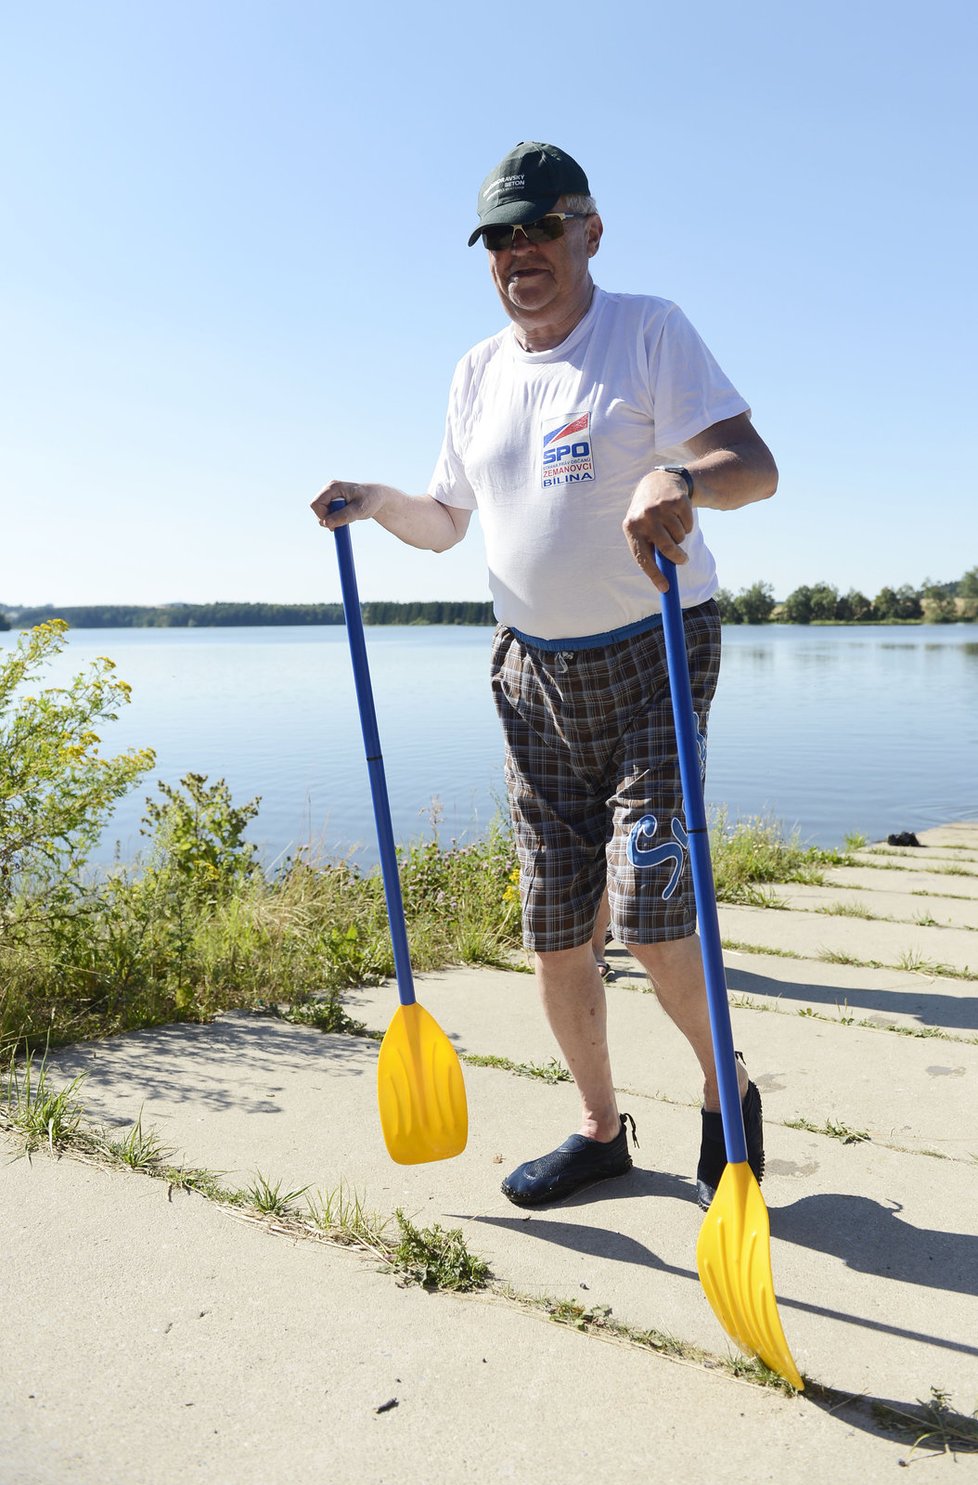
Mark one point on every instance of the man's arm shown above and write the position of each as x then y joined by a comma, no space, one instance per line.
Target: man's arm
419,520
731,466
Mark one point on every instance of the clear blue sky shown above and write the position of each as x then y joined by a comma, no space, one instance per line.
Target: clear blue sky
233,263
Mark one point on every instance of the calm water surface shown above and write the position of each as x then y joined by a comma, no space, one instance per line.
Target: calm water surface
831,730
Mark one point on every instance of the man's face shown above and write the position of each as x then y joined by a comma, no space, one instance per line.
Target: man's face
537,280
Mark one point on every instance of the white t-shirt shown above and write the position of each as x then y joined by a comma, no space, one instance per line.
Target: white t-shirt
549,446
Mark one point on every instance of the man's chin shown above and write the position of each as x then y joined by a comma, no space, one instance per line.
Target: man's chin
534,291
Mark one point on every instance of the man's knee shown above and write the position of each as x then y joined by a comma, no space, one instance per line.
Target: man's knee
669,957
554,961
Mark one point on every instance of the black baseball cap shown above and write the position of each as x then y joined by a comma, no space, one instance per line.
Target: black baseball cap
526,184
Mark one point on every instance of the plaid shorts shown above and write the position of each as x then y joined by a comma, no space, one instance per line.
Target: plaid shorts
592,775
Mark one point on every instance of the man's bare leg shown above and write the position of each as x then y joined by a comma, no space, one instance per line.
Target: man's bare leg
574,1001
676,970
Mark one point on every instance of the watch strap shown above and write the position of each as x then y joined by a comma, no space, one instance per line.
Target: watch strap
681,470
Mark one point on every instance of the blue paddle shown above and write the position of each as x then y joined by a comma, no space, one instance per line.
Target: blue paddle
420,1091
733,1252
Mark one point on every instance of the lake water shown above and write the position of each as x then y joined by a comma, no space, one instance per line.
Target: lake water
830,730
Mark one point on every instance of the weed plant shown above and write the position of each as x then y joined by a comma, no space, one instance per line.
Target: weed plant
436,1259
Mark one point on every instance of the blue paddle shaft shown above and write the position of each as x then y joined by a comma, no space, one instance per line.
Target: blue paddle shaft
702,868
375,761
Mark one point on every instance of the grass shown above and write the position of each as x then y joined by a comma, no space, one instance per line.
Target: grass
141,1149
598,1320
909,960
843,1017
848,910
269,1199
741,946
844,1133
933,1424
341,1216
164,946
34,1109
551,1071
755,852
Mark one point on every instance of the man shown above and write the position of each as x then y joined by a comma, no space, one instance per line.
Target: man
588,434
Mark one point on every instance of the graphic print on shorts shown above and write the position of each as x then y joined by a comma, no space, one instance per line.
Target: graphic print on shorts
644,856
567,458
700,747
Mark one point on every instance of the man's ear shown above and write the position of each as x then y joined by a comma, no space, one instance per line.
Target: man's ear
594,228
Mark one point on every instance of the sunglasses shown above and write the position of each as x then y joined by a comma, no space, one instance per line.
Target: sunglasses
544,229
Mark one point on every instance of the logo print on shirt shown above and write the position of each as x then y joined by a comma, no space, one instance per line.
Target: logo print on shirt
567,451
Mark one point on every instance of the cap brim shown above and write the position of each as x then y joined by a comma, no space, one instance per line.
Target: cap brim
509,213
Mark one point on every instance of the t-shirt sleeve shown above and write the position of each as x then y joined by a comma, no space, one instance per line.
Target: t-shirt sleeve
689,391
449,483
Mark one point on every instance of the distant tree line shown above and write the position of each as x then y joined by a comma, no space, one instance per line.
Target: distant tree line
932,603
209,615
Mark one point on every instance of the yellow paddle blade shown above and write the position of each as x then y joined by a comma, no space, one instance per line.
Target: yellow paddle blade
733,1255
420,1090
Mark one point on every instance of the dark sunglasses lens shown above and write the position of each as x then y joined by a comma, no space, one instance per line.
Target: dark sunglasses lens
546,229
496,238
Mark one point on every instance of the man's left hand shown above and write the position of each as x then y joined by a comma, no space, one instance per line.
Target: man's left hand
660,516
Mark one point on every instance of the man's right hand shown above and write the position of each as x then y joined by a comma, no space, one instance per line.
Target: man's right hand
360,502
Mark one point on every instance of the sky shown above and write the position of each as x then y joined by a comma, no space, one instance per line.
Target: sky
233,265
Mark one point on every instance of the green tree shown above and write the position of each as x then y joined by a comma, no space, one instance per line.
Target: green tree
908,602
824,599
968,594
755,603
57,789
854,607
727,604
897,603
797,607
937,604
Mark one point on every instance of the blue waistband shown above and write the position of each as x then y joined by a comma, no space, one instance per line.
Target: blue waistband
589,641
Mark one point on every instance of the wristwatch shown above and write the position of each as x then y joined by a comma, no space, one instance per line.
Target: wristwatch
681,470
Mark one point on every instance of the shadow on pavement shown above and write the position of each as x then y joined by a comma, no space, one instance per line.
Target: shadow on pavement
238,1054
949,1012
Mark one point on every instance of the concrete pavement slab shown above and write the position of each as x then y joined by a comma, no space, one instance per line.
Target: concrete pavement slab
814,936
884,997
920,1095
947,912
957,833
949,883
216,1349
149,1340
281,1112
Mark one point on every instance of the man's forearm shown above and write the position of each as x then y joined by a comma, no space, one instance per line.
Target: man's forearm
420,520
734,474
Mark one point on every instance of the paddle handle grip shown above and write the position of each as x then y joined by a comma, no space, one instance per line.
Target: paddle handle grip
694,806
375,761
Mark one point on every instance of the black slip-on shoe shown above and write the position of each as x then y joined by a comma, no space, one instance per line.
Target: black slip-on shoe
713,1150
576,1163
